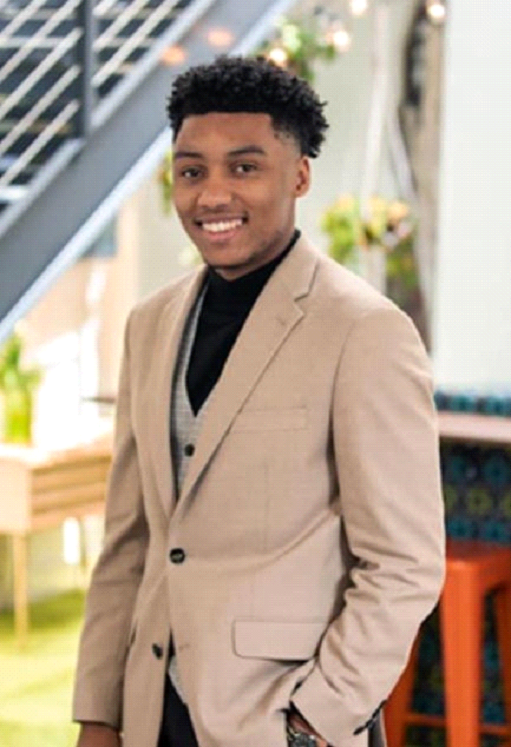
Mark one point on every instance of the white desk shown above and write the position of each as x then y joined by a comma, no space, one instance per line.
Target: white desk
39,490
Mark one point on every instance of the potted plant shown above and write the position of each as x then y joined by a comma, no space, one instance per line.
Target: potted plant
375,240
17,386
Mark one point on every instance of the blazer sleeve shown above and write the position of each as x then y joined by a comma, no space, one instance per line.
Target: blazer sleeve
387,458
116,577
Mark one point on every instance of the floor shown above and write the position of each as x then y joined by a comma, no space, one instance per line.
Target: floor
36,683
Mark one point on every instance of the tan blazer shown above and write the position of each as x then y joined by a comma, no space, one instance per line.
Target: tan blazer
311,519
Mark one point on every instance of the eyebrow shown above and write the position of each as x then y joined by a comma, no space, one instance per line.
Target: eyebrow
245,150
186,154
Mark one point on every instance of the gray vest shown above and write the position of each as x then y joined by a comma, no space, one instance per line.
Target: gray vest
184,428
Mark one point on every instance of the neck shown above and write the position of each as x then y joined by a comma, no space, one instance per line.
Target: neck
230,275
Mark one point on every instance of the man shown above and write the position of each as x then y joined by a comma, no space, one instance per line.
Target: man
274,525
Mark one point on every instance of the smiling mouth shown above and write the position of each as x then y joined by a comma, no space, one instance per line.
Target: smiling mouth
220,230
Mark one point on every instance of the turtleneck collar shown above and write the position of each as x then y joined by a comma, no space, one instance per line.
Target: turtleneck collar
244,290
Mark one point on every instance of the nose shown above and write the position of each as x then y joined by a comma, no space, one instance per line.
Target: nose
214,195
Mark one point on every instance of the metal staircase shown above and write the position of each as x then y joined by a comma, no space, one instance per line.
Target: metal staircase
83,87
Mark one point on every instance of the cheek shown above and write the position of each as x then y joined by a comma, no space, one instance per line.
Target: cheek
274,200
182,203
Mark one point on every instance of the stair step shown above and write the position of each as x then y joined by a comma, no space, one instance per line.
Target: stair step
109,84
33,25
29,135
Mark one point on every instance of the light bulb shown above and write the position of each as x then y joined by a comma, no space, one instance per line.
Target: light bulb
175,55
436,11
278,55
220,37
340,38
359,7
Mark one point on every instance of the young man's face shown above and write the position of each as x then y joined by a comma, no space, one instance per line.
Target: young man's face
235,185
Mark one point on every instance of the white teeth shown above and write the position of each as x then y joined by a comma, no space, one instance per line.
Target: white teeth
222,226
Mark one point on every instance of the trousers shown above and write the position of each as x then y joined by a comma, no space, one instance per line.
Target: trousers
176,727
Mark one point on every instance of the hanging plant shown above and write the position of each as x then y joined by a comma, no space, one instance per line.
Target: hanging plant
385,225
298,45
17,386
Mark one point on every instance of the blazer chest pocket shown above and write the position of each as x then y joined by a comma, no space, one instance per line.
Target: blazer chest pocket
272,419
278,639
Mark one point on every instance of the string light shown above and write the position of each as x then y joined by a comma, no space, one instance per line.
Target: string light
175,55
340,37
436,10
359,7
279,56
220,37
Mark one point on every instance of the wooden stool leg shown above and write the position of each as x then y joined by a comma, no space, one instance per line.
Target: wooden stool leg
503,618
461,620
400,701
84,555
20,563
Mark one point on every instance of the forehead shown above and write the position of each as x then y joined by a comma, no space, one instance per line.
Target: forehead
227,131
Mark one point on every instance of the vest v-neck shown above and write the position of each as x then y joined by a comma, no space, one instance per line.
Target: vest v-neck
226,306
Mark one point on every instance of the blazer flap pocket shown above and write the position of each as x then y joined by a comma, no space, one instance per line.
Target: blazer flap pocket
278,639
272,419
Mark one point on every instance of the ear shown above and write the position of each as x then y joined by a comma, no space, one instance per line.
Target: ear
303,177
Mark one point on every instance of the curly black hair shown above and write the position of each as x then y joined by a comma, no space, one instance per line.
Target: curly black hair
251,84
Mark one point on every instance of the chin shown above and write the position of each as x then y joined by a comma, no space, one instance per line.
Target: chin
225,257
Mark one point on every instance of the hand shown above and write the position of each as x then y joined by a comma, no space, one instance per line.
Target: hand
98,735
297,721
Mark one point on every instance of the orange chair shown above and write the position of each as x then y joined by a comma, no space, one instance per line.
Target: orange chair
473,570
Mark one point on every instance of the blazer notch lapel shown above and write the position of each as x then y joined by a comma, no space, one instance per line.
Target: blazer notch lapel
276,314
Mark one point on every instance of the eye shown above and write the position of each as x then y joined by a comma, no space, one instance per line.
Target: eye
191,172
245,168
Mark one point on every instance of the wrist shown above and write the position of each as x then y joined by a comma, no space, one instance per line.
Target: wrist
300,732
94,734
298,738
97,725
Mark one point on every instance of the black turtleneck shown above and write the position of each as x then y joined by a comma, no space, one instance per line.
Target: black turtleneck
226,305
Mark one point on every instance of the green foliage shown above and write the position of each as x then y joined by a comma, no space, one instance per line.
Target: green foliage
382,223
166,181
17,385
304,47
37,682
342,223
401,265
12,375
303,44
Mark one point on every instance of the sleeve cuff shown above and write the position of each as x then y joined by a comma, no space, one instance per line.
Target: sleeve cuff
324,710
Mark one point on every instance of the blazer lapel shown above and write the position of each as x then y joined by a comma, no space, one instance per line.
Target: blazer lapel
271,320
168,338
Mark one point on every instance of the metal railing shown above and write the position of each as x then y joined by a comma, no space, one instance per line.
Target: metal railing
59,60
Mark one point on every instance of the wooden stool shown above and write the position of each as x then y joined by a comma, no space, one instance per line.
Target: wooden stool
473,570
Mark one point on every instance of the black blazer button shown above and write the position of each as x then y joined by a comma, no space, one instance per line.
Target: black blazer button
177,555
189,450
157,650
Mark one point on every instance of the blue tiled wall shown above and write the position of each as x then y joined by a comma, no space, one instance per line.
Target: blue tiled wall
477,492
